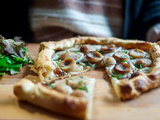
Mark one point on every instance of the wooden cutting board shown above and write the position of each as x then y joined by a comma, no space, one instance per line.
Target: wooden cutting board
106,105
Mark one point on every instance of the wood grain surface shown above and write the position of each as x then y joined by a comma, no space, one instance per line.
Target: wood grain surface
106,105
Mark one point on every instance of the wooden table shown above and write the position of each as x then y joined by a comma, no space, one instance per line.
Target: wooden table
106,106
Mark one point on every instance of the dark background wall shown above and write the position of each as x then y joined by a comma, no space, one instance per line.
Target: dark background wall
14,19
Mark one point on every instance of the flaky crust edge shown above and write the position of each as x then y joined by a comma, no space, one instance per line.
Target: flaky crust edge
44,64
52,100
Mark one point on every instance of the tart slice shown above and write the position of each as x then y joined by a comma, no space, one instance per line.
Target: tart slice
139,73
133,66
71,97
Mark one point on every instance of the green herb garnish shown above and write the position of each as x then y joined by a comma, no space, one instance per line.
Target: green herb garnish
86,62
93,66
59,60
139,66
131,57
83,88
13,55
50,85
80,81
113,76
71,78
99,51
126,52
119,76
124,61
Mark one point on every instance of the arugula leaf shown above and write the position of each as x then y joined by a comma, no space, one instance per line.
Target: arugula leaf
13,55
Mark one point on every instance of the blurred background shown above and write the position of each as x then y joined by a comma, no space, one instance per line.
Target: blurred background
52,20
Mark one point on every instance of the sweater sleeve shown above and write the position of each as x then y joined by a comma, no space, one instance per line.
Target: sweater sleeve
139,17
150,14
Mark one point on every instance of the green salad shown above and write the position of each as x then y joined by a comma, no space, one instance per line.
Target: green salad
13,55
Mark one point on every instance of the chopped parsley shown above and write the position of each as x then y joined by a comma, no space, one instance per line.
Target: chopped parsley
119,76
124,61
58,63
113,76
50,86
86,63
80,81
100,51
93,66
131,57
83,88
126,52
139,66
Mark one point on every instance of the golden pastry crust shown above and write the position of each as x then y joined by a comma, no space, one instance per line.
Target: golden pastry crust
45,67
37,94
125,89
128,89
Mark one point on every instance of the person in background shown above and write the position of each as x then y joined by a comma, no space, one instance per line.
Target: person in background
52,20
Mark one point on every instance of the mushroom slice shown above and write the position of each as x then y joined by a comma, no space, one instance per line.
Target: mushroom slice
72,55
122,68
77,56
86,48
108,48
108,61
94,56
136,53
120,56
76,82
143,63
67,64
63,88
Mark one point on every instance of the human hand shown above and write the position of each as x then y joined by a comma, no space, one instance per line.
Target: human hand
153,34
